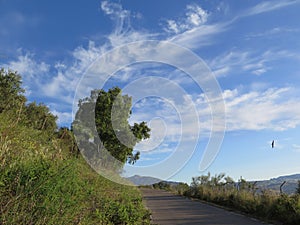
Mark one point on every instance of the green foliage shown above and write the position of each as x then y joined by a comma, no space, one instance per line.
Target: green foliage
43,179
12,102
67,192
67,141
39,117
162,185
111,111
10,90
180,188
41,182
177,188
266,204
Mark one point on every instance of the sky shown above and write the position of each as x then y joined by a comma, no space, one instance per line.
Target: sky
216,81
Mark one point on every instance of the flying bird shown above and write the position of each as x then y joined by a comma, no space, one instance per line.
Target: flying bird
273,144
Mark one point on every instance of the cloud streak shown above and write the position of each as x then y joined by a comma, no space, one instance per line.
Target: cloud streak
256,63
271,109
268,6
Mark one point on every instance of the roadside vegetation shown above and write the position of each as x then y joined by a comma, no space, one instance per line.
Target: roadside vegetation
242,196
43,177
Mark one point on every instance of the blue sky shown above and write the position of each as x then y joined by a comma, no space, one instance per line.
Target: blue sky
252,48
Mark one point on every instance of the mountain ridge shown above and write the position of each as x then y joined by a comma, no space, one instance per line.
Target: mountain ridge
143,180
289,187
291,182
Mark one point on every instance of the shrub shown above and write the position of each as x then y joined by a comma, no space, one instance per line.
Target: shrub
267,205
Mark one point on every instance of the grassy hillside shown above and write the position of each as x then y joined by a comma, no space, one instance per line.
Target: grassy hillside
44,179
43,183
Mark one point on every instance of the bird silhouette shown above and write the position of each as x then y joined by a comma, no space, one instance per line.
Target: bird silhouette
273,144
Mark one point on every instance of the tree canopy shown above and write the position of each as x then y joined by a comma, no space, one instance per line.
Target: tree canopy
111,111
39,117
11,91
13,102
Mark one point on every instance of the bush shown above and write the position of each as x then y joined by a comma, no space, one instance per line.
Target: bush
162,185
266,205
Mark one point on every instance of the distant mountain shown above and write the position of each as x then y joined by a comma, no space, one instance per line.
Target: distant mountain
274,184
143,180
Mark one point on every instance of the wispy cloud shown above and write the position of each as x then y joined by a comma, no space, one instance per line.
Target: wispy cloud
26,65
32,71
199,36
123,31
167,149
195,16
193,30
268,6
272,109
274,31
256,63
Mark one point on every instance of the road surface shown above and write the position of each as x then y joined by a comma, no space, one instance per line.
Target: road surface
167,208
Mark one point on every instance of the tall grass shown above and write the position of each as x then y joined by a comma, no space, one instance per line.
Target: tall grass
265,204
42,183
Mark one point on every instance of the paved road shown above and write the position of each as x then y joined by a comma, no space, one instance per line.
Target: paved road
167,208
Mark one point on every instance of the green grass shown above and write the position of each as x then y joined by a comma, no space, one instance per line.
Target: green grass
266,205
42,183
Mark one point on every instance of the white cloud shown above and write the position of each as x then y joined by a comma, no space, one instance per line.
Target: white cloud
64,82
172,26
192,30
85,56
123,31
274,31
119,15
194,17
58,81
246,61
238,61
165,148
198,37
115,9
268,6
31,70
27,66
271,109
64,118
